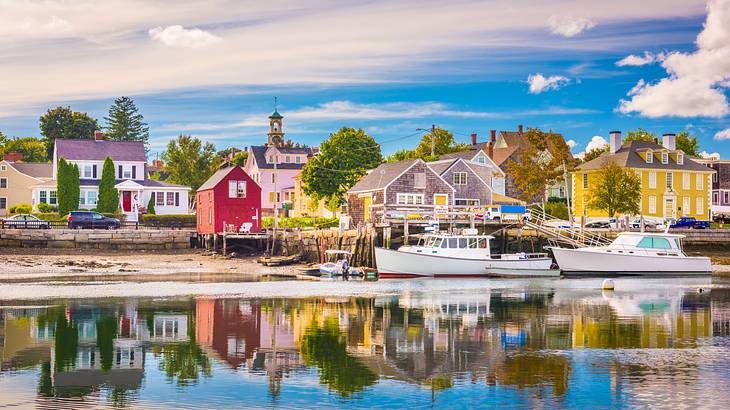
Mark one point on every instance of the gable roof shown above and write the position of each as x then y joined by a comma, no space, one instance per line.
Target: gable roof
468,154
93,150
442,166
216,178
259,155
383,175
628,157
34,169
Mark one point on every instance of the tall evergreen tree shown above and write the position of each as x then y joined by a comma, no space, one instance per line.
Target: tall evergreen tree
108,195
75,187
64,190
125,123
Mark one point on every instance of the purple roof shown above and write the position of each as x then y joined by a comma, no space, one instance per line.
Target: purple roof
93,150
147,182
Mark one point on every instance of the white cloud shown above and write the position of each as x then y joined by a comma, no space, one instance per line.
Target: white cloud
647,58
568,26
710,155
571,144
695,81
539,83
596,142
723,135
179,36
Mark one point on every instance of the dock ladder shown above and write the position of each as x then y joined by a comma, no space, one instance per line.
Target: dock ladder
539,221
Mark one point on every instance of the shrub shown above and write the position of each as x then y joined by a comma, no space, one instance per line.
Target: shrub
46,208
21,209
50,216
169,220
557,209
555,199
268,222
151,205
108,195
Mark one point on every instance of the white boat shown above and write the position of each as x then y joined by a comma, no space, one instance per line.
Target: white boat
445,255
639,253
337,263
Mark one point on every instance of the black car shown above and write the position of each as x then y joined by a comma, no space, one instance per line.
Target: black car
91,220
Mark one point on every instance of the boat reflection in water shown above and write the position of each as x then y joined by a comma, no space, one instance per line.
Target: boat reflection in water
523,347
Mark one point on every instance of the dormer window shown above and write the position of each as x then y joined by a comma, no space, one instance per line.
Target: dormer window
271,159
649,157
680,159
665,157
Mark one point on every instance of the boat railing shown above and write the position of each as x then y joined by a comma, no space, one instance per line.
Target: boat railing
539,220
521,256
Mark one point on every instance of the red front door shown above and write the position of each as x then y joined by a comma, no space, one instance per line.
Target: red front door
127,201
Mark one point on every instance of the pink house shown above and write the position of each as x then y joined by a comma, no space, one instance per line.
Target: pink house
274,165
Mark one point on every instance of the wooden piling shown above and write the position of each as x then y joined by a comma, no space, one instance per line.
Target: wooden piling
405,230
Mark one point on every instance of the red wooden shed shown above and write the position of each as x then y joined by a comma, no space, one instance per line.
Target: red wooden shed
230,196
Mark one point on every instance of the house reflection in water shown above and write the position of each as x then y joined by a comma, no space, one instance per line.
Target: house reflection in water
519,339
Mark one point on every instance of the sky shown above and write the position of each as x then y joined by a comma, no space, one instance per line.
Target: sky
212,68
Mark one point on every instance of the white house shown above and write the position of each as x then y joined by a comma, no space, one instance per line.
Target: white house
130,162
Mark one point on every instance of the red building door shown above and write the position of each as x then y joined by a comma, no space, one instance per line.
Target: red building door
127,201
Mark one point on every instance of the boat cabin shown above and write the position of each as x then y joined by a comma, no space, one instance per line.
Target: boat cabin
456,246
641,241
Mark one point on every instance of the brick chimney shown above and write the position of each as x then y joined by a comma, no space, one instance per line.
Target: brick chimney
519,129
98,135
473,138
493,136
490,149
13,156
158,163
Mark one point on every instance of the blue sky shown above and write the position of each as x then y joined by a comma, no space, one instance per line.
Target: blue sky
387,67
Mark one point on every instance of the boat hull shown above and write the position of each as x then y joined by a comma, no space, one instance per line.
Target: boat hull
396,264
588,260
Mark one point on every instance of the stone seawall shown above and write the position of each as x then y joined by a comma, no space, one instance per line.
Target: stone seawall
310,244
95,239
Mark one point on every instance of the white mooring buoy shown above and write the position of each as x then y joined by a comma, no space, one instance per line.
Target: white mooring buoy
607,284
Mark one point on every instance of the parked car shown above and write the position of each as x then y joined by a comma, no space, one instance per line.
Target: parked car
91,220
25,221
599,225
493,213
689,222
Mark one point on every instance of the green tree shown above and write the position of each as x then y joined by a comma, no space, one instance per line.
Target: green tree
63,186
108,196
688,144
540,164
106,332
189,161
444,144
75,187
33,149
61,122
240,158
343,159
125,123
595,153
640,134
402,155
151,205
616,190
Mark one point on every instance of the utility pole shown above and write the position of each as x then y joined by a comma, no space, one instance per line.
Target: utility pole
276,195
433,140
567,194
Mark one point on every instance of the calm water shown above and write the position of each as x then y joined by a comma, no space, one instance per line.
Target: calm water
418,344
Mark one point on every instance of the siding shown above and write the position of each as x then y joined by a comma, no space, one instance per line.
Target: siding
474,188
405,185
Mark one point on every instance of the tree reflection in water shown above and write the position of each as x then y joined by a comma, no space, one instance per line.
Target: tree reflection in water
106,332
326,348
66,346
535,370
184,361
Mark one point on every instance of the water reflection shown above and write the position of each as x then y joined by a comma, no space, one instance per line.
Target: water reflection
522,342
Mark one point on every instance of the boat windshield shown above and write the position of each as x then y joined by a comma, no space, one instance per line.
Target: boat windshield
457,242
654,242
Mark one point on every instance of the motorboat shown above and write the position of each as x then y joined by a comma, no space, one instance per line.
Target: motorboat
337,263
447,255
639,253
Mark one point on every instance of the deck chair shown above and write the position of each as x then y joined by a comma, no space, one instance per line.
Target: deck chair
245,227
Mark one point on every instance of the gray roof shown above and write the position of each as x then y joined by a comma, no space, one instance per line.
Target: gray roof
484,171
441,166
216,178
34,169
382,175
93,150
468,154
259,154
628,156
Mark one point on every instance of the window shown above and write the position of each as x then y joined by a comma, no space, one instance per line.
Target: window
43,197
654,243
481,159
288,159
685,180
3,167
715,198
52,197
680,159
453,243
459,178
419,180
273,178
210,216
686,205
652,179
88,171
126,172
160,199
3,202
271,197
649,157
700,205
177,199
409,199
699,182
561,191
665,158
726,197
669,180
271,159
3,182
91,198
232,188
652,204
714,177
82,198
585,180
170,198
466,202
298,159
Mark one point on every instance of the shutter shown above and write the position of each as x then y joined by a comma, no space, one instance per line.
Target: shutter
93,171
177,199
134,172
120,172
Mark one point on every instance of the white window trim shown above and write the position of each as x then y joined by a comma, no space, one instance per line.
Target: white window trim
680,159
652,204
669,180
649,157
478,202
6,183
6,201
665,158
652,179
700,203
700,182
3,167
686,180
405,196
585,180
459,182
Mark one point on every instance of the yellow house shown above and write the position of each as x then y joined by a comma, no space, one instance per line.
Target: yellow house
672,184
17,180
301,203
